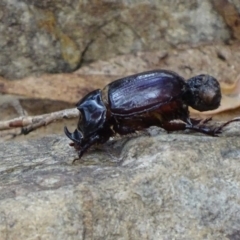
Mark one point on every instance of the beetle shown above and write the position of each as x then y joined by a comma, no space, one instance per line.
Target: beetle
136,102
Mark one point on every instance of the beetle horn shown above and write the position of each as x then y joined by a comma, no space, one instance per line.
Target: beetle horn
76,136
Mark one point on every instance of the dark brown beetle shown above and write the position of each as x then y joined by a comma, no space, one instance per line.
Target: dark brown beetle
133,103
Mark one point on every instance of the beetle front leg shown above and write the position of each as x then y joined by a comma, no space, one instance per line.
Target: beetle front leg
87,145
101,137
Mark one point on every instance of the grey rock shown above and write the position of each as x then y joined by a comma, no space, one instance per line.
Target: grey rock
163,186
59,36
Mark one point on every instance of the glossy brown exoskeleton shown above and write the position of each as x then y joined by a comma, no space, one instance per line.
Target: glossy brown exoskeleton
133,103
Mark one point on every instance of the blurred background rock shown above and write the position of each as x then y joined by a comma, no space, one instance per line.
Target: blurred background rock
60,36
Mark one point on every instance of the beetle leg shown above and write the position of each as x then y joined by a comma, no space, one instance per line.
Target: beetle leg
206,130
94,139
101,137
173,126
227,123
176,126
123,130
200,121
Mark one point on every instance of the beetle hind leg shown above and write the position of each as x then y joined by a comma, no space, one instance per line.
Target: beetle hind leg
206,130
194,121
177,126
220,128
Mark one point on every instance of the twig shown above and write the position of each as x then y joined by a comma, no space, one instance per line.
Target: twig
30,123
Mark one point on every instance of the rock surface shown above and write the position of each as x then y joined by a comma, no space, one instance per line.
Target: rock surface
167,186
59,36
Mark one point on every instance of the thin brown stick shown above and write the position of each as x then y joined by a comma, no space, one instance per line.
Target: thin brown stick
30,123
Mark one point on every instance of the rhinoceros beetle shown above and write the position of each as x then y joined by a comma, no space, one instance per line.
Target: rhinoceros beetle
136,102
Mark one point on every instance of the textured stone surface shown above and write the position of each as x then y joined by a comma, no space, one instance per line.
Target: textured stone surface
168,186
59,36
218,60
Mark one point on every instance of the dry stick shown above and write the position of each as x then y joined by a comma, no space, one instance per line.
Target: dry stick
30,123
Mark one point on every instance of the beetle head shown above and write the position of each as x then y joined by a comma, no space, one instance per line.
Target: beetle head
205,93
92,113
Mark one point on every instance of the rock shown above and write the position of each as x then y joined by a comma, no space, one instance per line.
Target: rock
59,36
166,186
